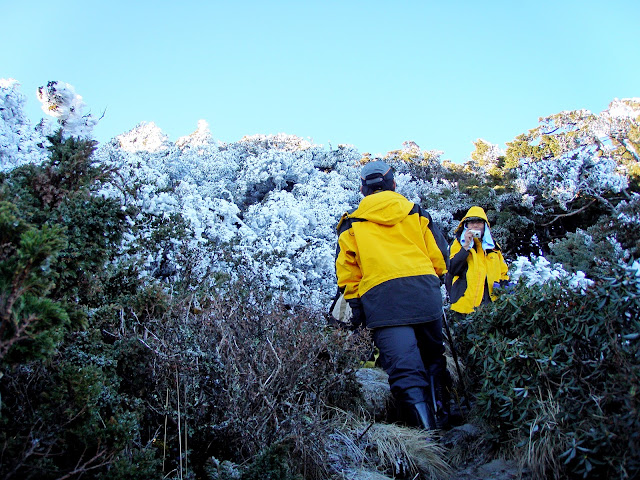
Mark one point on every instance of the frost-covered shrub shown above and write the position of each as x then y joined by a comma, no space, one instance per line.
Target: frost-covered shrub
556,374
61,101
20,143
621,227
563,180
540,271
579,251
77,421
262,201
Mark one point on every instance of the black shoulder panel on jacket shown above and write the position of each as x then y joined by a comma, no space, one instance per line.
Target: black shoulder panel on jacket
415,209
345,223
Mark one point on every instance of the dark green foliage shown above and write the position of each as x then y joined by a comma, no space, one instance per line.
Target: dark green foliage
515,233
60,194
70,170
31,324
272,464
93,227
71,403
581,252
558,372
76,413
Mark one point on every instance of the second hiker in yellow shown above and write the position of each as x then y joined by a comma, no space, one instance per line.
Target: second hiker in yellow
476,263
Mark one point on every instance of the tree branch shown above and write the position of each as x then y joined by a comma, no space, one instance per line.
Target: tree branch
575,212
19,334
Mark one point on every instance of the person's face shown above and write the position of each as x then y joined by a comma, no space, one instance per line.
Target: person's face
476,225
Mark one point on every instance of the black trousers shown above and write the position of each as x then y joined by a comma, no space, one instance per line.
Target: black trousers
409,354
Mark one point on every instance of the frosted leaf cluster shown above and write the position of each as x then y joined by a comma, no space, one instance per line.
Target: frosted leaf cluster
144,137
281,141
563,180
60,101
584,154
630,219
635,271
614,124
266,206
538,271
486,156
20,142
264,201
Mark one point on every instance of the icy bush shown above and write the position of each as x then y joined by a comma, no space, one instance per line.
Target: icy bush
562,180
541,271
20,143
61,101
262,200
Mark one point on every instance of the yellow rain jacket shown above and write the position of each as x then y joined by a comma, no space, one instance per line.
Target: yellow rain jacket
473,272
391,255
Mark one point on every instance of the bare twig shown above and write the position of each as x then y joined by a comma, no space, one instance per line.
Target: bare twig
179,425
164,443
186,449
87,465
19,335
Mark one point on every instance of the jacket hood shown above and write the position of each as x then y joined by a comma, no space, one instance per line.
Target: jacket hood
384,208
474,212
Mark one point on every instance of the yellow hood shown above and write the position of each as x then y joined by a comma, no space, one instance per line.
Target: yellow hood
474,212
384,208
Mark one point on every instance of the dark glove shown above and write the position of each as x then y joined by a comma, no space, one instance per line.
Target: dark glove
357,313
504,286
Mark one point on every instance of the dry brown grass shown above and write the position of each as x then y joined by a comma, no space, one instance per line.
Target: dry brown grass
544,445
387,449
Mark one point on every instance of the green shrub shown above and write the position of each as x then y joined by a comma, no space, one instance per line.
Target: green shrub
581,251
68,416
72,404
31,325
272,464
61,194
557,374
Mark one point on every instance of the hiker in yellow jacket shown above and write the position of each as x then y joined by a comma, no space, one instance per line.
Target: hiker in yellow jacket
476,263
390,259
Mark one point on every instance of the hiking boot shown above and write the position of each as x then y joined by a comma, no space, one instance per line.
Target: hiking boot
440,397
424,415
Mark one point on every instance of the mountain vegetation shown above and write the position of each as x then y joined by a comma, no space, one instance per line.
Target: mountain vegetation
163,305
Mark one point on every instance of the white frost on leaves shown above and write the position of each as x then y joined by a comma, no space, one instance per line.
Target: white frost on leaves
564,179
60,101
201,138
538,271
274,209
144,137
269,204
20,142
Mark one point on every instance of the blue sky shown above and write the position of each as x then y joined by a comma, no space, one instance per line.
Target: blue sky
368,73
